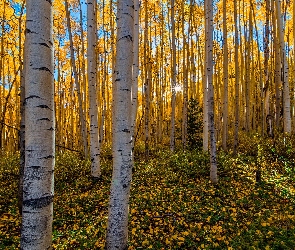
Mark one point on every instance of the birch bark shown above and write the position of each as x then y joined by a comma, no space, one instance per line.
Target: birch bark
135,68
37,209
92,76
237,76
173,79
210,100
225,81
286,91
117,228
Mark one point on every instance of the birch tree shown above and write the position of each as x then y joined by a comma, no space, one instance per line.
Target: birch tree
286,91
92,77
205,89
117,228
173,79
37,207
225,80
77,84
209,83
135,68
237,76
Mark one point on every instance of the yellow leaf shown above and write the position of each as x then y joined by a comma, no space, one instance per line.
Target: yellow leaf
185,233
98,244
73,241
181,238
145,242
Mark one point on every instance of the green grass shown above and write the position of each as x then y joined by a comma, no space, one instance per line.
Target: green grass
173,205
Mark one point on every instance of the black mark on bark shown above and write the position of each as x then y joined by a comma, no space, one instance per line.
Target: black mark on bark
35,167
32,96
43,107
48,157
39,202
29,31
44,44
43,68
128,37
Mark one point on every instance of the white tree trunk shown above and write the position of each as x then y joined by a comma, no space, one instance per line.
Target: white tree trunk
38,191
209,69
205,89
286,91
135,69
277,66
225,81
237,78
93,109
117,228
173,80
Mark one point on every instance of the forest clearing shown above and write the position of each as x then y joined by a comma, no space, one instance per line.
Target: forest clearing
128,124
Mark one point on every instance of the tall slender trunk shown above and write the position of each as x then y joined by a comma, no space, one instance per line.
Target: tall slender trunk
37,207
21,112
225,81
205,86
186,64
286,91
209,80
266,59
92,77
84,85
146,85
77,84
117,229
277,71
237,76
173,79
135,69
260,70
247,73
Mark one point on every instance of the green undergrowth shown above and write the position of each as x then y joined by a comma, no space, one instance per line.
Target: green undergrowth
173,204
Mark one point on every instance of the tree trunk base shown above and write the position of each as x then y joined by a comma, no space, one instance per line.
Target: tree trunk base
258,176
95,179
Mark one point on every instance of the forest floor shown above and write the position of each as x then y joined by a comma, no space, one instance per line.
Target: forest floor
173,205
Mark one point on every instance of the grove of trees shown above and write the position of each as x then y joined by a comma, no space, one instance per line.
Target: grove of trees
138,76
